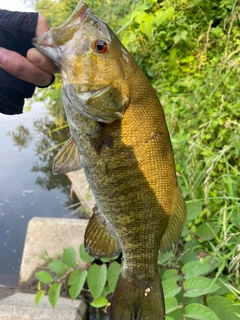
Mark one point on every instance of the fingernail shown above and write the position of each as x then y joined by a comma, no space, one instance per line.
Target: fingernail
36,57
2,55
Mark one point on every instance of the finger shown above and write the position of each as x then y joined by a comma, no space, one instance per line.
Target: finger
42,25
23,69
39,60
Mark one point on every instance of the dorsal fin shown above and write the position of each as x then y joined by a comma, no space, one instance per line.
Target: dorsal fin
176,220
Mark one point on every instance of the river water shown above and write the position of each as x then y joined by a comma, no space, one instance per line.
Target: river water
27,186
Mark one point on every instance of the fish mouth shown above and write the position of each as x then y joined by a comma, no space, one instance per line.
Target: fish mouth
78,15
56,35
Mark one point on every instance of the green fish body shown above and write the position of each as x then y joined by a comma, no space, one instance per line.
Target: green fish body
120,138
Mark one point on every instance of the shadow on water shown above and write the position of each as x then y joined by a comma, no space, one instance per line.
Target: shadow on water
27,186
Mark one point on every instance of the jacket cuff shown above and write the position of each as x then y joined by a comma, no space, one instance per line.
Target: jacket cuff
16,31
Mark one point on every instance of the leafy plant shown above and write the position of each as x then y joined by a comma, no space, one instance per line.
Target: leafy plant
189,289
64,275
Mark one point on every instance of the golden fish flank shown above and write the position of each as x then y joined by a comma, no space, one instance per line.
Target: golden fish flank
120,138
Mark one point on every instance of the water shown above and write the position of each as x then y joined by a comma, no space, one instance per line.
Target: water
27,186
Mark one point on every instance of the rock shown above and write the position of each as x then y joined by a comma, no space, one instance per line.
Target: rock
81,188
51,235
21,306
6,291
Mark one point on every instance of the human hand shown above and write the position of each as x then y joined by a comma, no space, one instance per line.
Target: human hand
36,68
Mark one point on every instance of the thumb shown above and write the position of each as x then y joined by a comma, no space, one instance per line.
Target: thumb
42,25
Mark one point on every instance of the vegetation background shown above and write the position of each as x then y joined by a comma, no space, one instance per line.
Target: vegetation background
190,50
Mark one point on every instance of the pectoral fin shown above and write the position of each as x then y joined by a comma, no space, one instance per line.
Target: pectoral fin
176,221
68,158
99,240
99,138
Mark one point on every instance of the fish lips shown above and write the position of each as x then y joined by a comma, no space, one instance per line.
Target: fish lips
46,46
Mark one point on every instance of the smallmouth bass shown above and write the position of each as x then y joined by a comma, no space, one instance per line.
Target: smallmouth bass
120,138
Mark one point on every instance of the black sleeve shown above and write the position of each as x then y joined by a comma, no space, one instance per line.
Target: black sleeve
16,31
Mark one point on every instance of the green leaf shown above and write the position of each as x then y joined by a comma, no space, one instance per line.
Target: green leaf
194,209
171,304
199,312
199,286
162,16
171,274
183,35
169,13
163,257
105,260
192,244
96,279
57,266
217,30
207,231
141,17
83,254
224,308
145,20
106,291
112,275
69,257
235,218
159,18
223,289
176,38
44,277
196,268
189,300
99,302
177,314
185,230
45,257
170,288
39,296
54,293
189,256
76,282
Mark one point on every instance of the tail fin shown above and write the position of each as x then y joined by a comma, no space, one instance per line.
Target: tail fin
136,300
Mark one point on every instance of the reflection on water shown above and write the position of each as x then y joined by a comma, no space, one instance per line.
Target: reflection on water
21,137
27,186
97,314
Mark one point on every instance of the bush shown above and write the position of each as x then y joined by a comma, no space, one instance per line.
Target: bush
190,52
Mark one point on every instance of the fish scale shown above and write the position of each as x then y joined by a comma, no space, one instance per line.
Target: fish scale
120,138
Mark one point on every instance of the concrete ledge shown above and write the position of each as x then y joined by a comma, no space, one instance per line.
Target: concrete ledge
81,188
21,306
6,291
51,235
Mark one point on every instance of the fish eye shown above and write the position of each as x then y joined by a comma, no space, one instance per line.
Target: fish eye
101,46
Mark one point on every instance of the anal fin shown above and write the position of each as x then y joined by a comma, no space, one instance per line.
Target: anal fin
68,158
176,220
99,239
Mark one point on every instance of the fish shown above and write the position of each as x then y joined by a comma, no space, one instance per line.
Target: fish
119,136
